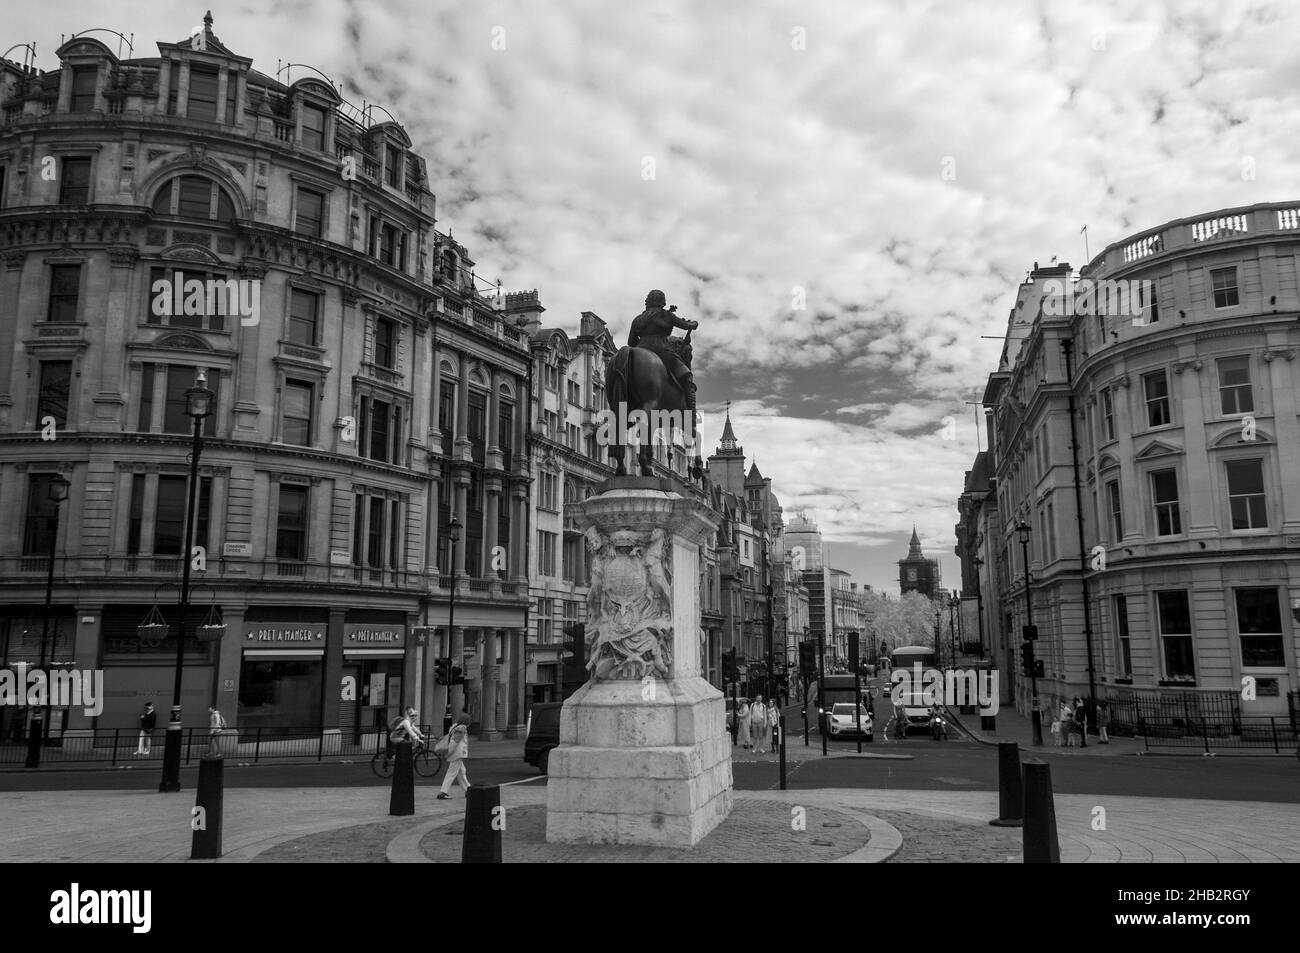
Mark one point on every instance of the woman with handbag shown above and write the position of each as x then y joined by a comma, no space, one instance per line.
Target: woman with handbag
457,752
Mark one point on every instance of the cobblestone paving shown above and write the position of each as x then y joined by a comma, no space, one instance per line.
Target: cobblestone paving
362,844
930,840
755,832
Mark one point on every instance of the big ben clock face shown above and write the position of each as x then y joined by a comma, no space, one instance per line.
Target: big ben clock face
911,575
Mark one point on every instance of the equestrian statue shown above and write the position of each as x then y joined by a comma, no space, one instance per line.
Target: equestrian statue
653,375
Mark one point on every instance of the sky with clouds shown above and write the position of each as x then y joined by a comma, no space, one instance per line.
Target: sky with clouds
844,194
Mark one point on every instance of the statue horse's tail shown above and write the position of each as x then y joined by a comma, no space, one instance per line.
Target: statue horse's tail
618,382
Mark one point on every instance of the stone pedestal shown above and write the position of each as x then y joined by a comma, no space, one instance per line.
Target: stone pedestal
644,756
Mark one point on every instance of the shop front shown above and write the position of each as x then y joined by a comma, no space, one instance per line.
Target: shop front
374,657
281,672
22,629
139,659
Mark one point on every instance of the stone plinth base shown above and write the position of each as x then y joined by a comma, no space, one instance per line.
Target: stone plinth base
640,763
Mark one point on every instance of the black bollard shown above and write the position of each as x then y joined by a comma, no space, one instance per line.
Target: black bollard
1041,845
781,750
206,819
35,737
988,722
401,801
481,843
1010,788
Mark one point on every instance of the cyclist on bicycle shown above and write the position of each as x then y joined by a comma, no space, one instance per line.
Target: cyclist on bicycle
405,730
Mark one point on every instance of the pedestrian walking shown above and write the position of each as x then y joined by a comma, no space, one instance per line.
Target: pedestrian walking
457,752
1056,727
758,725
148,722
773,722
216,723
1081,720
1103,722
742,719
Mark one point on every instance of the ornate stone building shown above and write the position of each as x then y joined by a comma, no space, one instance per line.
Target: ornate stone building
1184,389
368,393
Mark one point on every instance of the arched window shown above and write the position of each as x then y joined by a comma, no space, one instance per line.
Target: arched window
193,196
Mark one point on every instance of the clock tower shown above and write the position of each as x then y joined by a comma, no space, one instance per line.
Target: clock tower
916,573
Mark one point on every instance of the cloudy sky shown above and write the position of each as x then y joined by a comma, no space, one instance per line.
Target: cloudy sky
845,194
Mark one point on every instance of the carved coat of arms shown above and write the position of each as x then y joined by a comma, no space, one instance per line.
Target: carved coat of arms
629,606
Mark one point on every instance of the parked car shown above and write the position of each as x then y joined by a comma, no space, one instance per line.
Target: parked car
843,721
542,733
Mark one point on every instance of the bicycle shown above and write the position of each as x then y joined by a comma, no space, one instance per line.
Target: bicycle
427,761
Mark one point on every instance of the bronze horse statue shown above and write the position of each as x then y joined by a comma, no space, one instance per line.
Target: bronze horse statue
638,380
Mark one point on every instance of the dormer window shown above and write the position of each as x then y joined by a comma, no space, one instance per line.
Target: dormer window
203,94
84,79
313,128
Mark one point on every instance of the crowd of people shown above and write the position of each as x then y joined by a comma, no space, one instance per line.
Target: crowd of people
754,723
1071,721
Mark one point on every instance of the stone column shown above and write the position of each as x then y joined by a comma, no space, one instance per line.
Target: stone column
164,86
518,562
491,513
332,670
517,667
431,523
489,672
459,488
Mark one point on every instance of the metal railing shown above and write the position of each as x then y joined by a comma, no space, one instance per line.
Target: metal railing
1275,734
252,745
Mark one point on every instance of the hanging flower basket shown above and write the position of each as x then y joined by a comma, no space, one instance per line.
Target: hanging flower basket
153,626
212,628
211,633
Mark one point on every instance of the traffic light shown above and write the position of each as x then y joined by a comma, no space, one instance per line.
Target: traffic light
574,654
1038,669
807,659
1030,632
853,651
457,675
729,665
442,671
1027,666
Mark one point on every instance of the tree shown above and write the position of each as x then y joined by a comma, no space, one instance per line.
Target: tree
905,621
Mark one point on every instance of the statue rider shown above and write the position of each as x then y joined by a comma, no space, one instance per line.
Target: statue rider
651,330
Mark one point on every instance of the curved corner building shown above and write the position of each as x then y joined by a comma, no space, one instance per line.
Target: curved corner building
1185,382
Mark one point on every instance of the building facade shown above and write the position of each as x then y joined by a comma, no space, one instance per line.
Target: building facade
364,392
1174,353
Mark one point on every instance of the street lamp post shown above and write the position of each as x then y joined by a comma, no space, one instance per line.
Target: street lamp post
953,602
58,492
938,638
198,405
453,534
979,602
1035,716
